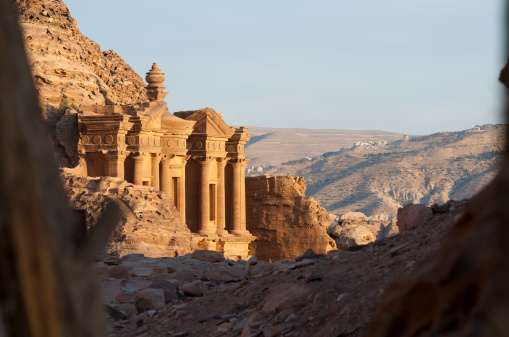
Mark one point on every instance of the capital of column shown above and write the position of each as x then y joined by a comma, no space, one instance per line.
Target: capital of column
245,162
165,159
115,155
204,161
239,161
138,155
221,162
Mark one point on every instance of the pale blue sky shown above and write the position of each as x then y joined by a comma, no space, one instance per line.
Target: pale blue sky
412,66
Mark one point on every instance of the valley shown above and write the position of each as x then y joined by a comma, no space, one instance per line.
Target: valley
378,179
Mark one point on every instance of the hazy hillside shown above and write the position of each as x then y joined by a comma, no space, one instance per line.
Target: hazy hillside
270,146
379,179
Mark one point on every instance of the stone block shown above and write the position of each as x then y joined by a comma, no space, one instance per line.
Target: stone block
156,296
118,272
412,216
208,256
169,289
128,309
196,288
124,297
286,296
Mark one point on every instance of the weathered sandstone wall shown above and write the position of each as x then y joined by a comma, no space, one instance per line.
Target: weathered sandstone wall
66,64
150,224
285,221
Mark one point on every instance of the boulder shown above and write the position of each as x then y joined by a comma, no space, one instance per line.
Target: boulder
128,309
125,297
155,296
223,276
128,286
285,221
354,216
286,296
208,256
411,216
184,276
261,268
350,234
195,288
143,304
169,290
118,272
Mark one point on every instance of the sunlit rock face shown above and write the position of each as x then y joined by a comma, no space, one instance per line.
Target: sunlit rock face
67,65
285,221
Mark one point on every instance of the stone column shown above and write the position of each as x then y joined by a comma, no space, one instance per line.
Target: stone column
138,169
204,198
115,165
165,176
156,159
236,199
182,193
243,196
221,223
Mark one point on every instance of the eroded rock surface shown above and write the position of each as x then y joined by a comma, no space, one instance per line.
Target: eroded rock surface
285,221
66,64
149,225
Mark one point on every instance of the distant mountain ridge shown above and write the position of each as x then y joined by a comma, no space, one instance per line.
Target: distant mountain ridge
376,180
273,146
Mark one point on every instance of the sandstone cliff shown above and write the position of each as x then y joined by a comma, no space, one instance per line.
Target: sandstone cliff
150,225
285,221
67,65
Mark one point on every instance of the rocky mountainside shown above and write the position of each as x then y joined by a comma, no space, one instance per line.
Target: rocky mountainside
68,65
271,146
378,179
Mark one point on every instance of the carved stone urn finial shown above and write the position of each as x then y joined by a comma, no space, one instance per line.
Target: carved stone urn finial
155,88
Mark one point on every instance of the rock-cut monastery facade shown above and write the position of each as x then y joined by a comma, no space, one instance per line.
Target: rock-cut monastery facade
192,155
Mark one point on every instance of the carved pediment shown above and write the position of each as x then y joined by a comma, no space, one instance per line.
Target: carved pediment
208,122
153,114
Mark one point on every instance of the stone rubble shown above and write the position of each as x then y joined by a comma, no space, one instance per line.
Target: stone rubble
318,295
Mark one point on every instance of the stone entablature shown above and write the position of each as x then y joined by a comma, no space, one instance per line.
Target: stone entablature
194,156
235,145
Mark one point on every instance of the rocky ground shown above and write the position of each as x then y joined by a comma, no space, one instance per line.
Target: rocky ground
202,294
